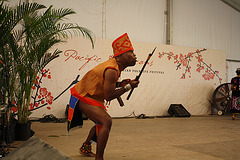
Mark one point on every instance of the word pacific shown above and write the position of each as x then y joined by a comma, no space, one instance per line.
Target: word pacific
73,54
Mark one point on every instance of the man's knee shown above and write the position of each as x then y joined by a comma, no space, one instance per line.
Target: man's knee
108,122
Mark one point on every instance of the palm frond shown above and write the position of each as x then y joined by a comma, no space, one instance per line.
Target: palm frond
27,37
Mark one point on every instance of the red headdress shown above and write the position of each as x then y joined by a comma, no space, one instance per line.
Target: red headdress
121,44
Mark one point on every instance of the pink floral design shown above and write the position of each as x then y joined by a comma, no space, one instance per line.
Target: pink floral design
184,61
211,75
43,92
42,95
31,106
42,102
49,98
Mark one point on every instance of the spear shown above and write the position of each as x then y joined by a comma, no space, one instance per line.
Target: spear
137,77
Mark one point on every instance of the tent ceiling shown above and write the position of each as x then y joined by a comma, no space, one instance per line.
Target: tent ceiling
233,3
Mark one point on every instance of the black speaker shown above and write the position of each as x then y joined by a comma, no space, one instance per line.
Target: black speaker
177,110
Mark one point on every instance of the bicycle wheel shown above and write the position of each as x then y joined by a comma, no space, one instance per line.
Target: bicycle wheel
221,99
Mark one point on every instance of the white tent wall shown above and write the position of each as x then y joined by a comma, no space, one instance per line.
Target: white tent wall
207,23
12,2
196,23
143,19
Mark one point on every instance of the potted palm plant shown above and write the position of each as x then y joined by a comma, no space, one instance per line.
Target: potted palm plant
26,37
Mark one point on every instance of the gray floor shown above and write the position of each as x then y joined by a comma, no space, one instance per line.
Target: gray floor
168,138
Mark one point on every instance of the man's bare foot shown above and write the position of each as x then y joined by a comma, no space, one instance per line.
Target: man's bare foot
86,150
89,154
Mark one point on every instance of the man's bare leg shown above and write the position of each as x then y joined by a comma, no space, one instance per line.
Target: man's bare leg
91,134
233,116
98,114
102,139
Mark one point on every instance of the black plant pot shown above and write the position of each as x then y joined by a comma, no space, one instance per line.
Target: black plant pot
22,131
9,133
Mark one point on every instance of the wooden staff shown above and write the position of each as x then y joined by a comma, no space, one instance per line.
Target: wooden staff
137,77
120,101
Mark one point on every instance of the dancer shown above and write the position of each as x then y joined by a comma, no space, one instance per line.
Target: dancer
96,87
235,84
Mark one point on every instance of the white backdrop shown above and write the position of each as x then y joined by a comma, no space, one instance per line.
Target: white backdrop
181,75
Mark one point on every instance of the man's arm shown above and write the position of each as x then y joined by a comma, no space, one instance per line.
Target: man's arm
109,86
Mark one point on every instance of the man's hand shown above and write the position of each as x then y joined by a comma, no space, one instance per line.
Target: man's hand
133,83
124,82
